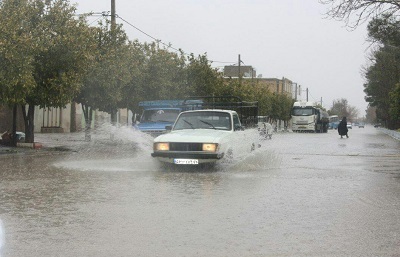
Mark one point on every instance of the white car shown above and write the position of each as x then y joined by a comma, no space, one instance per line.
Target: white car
204,136
349,125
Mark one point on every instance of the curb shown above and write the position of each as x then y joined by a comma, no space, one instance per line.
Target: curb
30,145
393,133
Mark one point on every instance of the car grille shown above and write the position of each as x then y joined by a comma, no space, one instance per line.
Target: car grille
185,146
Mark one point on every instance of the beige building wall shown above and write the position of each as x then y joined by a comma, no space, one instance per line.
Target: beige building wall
59,120
279,86
52,119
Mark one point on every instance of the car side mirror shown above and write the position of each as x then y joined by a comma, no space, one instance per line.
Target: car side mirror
169,127
239,128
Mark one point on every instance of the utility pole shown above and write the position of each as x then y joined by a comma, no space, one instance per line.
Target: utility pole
295,90
240,77
307,93
114,112
112,15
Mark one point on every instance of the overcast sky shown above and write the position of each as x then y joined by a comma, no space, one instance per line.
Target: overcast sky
279,38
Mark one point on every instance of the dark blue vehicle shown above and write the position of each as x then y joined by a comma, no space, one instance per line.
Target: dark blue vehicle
157,115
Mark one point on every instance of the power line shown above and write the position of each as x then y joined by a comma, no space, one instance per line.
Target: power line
160,41
155,39
169,46
312,96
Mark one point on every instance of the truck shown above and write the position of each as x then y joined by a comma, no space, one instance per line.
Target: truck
307,117
158,114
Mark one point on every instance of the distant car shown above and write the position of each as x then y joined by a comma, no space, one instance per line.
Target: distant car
377,125
349,126
361,125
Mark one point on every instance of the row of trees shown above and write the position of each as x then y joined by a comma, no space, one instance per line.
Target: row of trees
49,57
382,74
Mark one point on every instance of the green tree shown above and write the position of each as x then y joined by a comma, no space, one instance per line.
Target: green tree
202,79
107,75
384,30
281,108
131,91
383,73
54,54
163,74
382,76
394,97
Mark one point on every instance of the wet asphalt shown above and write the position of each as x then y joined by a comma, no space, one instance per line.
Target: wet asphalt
297,195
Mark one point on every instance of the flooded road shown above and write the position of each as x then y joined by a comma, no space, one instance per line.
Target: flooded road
297,195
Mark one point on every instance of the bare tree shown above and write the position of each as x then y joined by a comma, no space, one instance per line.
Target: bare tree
342,108
360,10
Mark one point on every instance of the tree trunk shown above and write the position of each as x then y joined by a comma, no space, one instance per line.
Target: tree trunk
72,127
14,127
29,125
87,112
114,114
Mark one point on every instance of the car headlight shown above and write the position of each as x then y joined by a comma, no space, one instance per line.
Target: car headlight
210,147
161,146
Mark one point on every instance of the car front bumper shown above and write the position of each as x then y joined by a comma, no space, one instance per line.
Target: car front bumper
202,157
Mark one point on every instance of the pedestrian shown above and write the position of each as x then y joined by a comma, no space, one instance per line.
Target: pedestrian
342,128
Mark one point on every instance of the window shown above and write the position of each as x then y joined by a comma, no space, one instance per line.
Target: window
236,121
302,111
160,115
203,120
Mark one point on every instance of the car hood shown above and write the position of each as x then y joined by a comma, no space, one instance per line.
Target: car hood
153,125
194,135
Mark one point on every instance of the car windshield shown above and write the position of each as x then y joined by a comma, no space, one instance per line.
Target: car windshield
160,115
302,111
204,120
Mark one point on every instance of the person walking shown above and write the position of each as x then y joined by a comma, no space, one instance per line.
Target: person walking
342,128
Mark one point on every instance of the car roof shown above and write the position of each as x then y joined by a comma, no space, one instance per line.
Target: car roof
211,110
161,108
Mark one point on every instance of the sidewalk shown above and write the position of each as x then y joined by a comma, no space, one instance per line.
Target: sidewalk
392,133
52,142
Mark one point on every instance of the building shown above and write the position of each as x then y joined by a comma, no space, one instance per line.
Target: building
233,71
60,120
278,86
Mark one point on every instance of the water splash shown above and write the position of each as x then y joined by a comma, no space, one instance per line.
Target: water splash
110,149
126,149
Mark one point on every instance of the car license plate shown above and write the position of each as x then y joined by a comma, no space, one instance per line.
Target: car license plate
186,161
